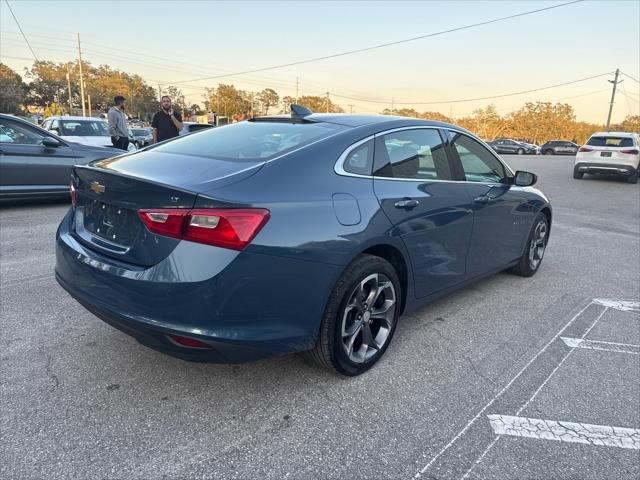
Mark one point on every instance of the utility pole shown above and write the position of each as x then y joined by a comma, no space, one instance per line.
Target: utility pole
297,88
613,96
69,87
84,113
159,93
351,105
89,101
392,106
328,101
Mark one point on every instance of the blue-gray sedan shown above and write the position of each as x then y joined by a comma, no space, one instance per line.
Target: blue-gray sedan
304,233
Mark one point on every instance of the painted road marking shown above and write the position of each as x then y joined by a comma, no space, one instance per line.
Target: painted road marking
469,424
600,345
624,305
601,435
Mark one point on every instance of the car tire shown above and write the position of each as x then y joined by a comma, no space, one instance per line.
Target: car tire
577,174
520,151
633,178
352,338
549,152
534,251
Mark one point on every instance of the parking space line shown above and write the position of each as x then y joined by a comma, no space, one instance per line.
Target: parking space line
624,305
535,394
601,435
600,345
471,422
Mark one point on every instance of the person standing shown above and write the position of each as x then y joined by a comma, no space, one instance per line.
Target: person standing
166,123
118,123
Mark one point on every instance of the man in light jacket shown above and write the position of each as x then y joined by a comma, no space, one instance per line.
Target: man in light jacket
118,123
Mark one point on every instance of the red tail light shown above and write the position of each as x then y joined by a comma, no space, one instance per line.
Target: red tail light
232,228
585,149
74,194
630,152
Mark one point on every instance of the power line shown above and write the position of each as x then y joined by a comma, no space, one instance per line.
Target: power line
478,98
20,28
629,76
383,45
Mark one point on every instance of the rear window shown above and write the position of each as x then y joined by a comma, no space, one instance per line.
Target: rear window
250,140
610,142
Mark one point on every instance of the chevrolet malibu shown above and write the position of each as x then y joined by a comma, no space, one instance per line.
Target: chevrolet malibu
305,233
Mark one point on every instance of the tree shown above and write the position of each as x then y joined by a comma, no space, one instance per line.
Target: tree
12,90
268,98
319,104
228,101
630,124
485,122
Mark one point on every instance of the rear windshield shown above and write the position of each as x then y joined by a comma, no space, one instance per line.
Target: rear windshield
250,140
610,142
84,128
141,131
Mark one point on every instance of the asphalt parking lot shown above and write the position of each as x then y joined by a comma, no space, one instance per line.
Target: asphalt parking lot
508,378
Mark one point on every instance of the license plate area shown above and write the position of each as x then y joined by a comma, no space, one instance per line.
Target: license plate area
115,224
605,154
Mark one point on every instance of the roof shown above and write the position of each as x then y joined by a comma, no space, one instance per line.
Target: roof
351,120
70,117
610,134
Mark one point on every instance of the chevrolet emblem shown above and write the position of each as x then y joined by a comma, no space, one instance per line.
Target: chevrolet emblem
96,187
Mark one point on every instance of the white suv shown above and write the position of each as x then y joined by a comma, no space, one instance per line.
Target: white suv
609,153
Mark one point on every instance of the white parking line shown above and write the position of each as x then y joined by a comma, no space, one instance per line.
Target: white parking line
461,433
624,305
601,435
600,345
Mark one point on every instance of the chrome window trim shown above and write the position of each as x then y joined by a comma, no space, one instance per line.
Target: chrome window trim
338,168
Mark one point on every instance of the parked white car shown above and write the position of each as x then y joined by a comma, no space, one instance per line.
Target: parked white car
609,153
83,130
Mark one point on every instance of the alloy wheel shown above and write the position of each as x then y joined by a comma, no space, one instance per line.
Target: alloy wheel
538,244
368,318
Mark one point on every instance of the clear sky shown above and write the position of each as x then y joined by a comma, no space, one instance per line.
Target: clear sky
173,41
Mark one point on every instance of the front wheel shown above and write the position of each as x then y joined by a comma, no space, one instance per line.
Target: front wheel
360,317
549,152
520,151
536,246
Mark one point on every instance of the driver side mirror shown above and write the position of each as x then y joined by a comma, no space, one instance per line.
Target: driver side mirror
50,142
524,179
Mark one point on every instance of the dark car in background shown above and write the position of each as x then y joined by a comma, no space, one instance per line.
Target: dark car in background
559,147
507,145
302,233
142,136
35,163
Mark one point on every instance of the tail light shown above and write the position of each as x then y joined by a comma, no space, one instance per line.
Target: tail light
74,194
188,342
232,228
630,152
585,149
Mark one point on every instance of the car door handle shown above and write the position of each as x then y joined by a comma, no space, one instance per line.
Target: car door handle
407,203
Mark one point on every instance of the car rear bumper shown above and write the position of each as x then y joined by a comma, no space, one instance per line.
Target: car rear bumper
605,168
255,306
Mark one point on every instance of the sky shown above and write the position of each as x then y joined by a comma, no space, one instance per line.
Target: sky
176,42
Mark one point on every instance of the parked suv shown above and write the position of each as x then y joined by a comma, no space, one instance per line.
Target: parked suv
506,145
609,153
559,147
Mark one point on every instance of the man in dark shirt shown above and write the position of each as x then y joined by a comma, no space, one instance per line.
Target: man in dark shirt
166,123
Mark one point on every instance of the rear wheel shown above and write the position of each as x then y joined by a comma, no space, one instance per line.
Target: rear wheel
360,317
633,178
536,246
577,174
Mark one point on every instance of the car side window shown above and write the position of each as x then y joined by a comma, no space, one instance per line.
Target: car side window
478,163
412,154
18,134
360,160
